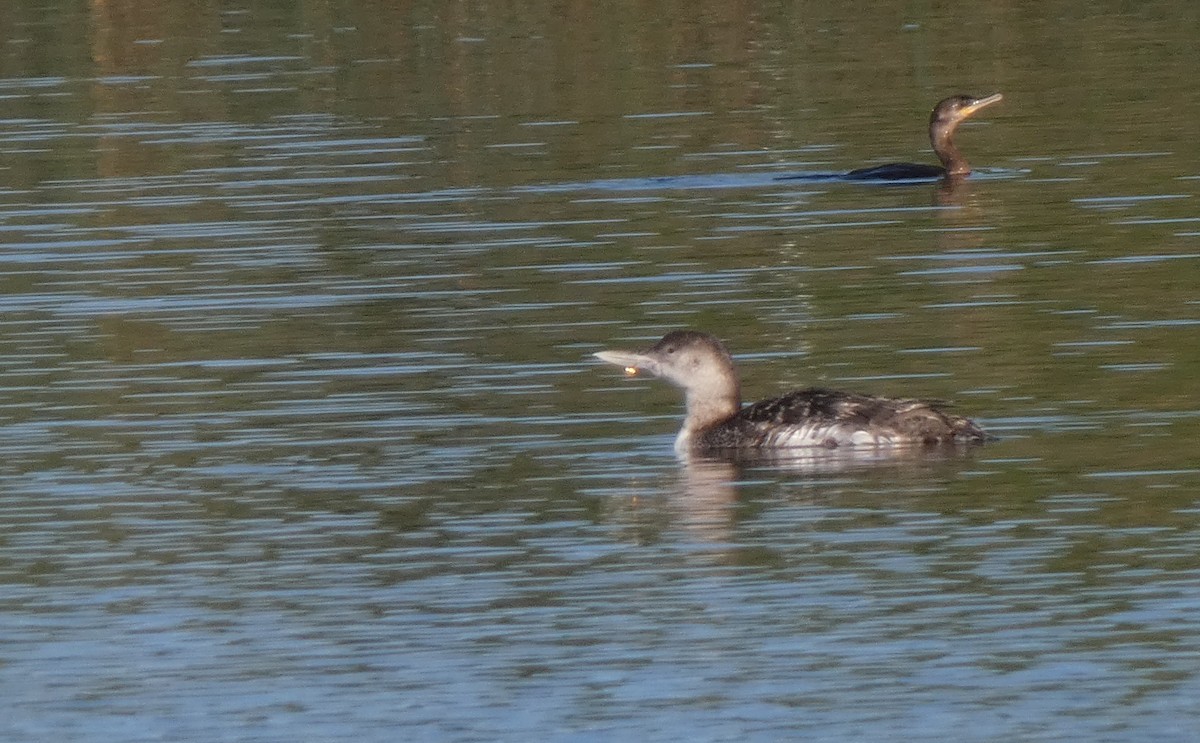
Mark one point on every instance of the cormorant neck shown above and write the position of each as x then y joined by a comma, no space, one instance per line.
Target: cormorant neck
942,138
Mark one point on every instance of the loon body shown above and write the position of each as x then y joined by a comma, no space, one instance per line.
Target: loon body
943,122
814,417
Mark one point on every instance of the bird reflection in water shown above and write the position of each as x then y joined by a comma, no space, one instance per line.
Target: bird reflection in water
707,499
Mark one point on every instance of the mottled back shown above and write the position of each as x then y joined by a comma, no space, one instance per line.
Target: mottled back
831,418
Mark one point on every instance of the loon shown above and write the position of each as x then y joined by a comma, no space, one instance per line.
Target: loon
943,122
813,417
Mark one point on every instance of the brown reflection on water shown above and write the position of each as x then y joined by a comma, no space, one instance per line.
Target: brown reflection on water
757,74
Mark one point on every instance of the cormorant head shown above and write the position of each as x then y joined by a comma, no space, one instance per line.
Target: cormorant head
946,116
950,112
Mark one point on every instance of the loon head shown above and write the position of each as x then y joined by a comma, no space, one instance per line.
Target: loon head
696,362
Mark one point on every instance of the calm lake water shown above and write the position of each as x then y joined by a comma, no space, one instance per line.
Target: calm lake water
301,437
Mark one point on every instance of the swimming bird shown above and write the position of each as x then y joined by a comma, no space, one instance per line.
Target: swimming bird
813,417
943,122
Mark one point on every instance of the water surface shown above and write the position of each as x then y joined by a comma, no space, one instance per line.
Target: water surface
301,436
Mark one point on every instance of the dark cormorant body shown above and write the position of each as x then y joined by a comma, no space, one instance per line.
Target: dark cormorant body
943,122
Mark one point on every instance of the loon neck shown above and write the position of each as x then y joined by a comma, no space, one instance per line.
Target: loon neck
705,411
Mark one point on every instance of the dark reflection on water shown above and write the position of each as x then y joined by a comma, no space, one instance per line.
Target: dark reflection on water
300,436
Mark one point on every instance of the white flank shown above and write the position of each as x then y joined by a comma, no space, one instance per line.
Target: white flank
814,434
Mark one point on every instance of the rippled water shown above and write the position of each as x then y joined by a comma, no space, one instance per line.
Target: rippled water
301,436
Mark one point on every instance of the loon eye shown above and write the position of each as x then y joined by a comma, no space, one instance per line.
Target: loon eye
670,349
